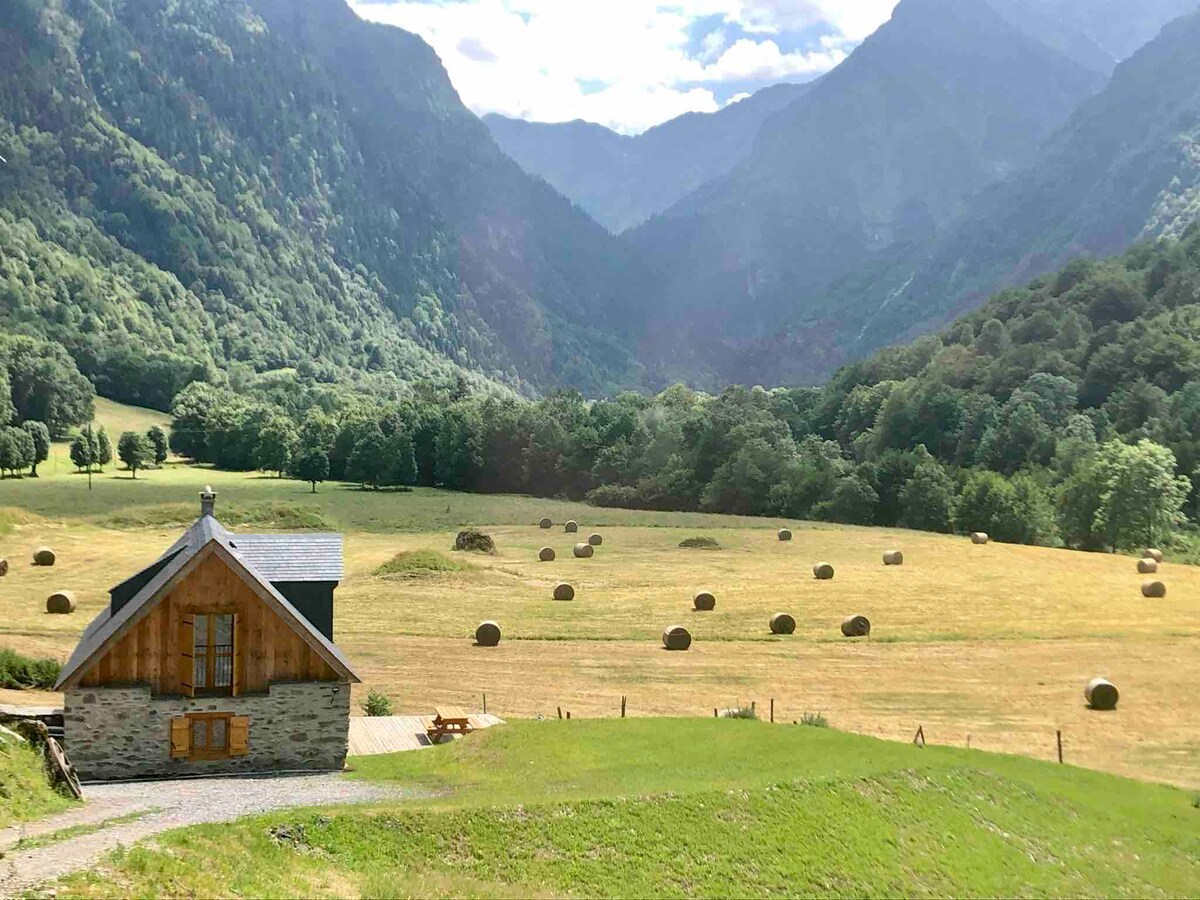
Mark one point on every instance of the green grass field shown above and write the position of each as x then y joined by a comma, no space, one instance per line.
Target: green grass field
25,792
693,808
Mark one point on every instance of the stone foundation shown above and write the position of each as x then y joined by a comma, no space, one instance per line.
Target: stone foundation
124,732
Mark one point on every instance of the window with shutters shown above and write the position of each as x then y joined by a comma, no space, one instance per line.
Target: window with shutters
215,735
213,653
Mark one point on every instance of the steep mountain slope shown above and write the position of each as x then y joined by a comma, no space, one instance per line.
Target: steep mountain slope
943,100
622,180
1125,167
277,184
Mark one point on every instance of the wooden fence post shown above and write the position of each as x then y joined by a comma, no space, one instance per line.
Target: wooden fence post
560,712
714,712
1058,738
772,709
485,704
622,706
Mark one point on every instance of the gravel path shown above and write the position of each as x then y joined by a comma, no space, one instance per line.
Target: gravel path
162,805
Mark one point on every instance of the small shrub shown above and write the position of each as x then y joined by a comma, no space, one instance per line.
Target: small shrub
699,543
740,712
814,720
419,563
19,672
475,542
377,704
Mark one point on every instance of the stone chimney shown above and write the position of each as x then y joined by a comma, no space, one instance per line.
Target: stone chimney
208,501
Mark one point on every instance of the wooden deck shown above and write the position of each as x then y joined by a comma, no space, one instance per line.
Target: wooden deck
370,735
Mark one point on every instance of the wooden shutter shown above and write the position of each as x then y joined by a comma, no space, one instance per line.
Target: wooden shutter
235,636
187,666
181,737
239,735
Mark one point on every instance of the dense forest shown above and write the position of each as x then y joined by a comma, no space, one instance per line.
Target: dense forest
1066,412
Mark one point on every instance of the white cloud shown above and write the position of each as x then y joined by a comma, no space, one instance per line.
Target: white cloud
627,64
748,60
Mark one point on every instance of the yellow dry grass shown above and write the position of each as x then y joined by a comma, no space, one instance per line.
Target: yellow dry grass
994,641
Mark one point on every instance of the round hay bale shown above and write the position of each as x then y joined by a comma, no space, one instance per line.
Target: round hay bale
475,542
856,626
584,551
1155,589
547,522
546,554
705,601
571,527
1101,693
979,537
822,571
487,634
595,540
782,623
43,556
1147,566
3,567
676,637
893,558
564,591
1156,555
60,603
785,534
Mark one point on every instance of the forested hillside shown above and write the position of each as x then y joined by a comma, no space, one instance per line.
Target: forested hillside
1125,167
622,180
204,185
941,101
1063,412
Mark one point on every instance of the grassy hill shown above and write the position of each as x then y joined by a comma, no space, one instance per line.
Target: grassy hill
693,808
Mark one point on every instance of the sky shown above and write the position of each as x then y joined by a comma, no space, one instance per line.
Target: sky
628,64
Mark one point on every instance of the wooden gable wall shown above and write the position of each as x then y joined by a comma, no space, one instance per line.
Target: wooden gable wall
267,648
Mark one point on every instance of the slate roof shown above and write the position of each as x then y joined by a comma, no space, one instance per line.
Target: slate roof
292,557
207,532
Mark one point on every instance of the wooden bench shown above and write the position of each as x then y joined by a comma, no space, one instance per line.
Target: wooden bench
448,720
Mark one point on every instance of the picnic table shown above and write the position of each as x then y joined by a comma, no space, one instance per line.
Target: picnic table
448,720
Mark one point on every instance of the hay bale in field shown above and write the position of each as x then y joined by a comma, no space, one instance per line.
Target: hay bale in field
782,623
893,558
475,542
1155,589
595,540
979,537
1156,555
785,534
3,567
487,634
676,637
546,554
564,591
60,603
1147,566
584,551
571,527
699,543
822,571
705,601
856,626
546,522
43,556
1101,693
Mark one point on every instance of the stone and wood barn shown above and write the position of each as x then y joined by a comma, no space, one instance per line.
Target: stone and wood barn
218,658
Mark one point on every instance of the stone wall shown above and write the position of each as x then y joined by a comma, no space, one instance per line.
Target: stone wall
124,732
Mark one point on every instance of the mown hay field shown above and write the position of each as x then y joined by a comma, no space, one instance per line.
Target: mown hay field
994,642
